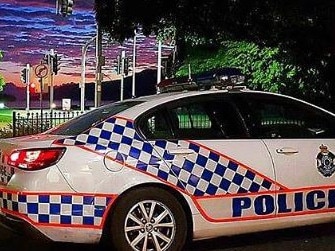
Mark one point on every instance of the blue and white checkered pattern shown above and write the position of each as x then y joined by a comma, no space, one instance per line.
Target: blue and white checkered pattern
58,209
203,173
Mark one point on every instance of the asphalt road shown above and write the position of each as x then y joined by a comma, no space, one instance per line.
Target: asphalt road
311,238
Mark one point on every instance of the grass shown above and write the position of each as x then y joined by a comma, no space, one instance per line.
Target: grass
6,117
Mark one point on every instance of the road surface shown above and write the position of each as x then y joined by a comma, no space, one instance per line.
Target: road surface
311,238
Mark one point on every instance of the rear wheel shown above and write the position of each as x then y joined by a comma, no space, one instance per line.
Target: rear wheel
148,219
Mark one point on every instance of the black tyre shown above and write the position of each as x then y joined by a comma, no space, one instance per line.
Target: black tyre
148,219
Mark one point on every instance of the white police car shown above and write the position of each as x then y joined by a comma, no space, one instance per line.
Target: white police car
152,172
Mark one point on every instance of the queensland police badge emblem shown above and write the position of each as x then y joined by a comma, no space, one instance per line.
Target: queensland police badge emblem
325,161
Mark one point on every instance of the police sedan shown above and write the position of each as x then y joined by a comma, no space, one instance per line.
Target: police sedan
153,172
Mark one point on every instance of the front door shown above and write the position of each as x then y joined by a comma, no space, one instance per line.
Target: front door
300,139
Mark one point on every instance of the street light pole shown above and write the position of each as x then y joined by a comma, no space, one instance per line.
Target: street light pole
123,58
159,64
51,74
57,7
28,86
98,72
83,73
134,66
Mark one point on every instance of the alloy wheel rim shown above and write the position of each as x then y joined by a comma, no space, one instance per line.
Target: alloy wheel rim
150,226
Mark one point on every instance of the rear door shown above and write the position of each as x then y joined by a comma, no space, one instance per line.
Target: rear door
205,143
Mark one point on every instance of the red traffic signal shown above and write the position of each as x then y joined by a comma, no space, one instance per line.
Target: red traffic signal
32,88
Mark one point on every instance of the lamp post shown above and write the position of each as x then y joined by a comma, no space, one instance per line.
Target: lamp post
83,72
123,58
28,85
134,66
51,75
159,64
98,72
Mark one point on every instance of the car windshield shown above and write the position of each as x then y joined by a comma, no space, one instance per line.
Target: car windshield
83,122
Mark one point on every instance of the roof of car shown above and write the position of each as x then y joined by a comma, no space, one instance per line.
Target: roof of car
176,95
147,102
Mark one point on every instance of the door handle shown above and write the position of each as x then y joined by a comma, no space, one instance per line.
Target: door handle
287,150
181,151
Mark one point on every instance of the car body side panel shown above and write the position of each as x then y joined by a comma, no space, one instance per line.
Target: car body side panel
204,172
301,159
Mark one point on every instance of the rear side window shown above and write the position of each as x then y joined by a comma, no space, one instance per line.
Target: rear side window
82,123
194,118
156,125
192,121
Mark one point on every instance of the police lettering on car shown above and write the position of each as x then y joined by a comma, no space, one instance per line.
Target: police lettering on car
284,203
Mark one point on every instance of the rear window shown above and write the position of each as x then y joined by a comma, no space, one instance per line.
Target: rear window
84,122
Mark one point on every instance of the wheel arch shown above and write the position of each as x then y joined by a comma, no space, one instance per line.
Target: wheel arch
167,188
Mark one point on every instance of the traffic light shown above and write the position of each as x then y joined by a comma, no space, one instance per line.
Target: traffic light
32,88
66,7
55,63
24,75
46,58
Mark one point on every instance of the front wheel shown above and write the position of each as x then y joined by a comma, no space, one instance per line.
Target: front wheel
148,219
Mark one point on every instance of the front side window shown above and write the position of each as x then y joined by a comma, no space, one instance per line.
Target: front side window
270,116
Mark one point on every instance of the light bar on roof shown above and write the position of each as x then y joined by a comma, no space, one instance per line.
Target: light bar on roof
225,78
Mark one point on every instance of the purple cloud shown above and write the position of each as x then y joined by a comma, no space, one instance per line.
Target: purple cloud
30,29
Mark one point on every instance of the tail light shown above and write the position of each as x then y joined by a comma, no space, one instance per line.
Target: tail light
35,159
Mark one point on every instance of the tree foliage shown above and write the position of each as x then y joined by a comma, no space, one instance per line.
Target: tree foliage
297,24
265,68
301,30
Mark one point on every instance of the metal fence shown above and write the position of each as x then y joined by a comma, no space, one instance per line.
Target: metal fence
27,123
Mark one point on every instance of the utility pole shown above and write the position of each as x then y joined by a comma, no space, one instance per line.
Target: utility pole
83,73
98,72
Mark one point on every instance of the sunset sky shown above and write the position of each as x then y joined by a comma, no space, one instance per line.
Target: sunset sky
30,29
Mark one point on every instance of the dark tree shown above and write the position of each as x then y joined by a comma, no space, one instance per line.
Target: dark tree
293,23
305,29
